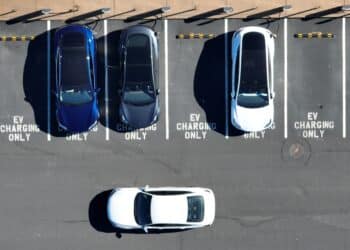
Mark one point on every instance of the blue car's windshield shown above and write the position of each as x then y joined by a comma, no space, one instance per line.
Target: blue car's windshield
139,87
253,90
76,97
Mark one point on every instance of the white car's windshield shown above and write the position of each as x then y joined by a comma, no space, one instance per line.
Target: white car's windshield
253,100
142,209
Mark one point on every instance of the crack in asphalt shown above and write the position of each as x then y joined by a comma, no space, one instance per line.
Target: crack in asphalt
250,221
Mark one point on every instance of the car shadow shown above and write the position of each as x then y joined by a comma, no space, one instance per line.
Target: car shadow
35,83
112,101
209,84
99,220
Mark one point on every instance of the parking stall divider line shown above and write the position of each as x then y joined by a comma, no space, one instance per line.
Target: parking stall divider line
285,25
344,74
166,79
105,32
226,78
48,44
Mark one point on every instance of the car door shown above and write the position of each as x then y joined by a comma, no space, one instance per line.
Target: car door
93,64
92,71
271,54
57,73
168,227
155,62
122,63
235,68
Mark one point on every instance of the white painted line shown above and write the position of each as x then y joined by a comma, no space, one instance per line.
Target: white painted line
226,80
105,32
344,74
166,79
285,79
48,44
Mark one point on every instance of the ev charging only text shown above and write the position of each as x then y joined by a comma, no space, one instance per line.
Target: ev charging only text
18,130
195,129
313,127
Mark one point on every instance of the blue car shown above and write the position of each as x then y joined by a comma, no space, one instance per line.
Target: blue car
76,91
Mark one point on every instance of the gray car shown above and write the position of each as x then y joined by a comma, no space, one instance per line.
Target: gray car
139,106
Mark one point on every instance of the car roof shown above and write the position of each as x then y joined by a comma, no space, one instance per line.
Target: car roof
75,66
139,29
138,49
73,39
244,30
169,209
253,67
75,72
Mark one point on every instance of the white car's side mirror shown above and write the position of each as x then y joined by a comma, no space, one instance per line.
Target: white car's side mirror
145,188
145,229
272,95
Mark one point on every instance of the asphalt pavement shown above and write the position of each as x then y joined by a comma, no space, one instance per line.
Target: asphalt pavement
285,188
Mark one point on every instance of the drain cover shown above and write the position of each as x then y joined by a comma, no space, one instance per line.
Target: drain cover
296,150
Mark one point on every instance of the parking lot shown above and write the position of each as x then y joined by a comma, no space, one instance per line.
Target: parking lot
284,188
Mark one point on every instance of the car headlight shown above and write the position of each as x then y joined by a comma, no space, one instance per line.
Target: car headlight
269,124
92,125
155,118
123,118
62,126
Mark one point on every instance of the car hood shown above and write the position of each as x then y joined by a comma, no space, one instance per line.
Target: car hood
120,208
78,118
139,116
209,209
252,119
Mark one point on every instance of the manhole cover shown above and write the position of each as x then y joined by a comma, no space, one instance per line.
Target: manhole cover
296,150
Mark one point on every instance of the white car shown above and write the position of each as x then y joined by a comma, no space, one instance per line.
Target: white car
170,208
252,96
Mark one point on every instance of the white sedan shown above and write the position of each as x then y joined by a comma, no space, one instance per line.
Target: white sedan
161,208
252,105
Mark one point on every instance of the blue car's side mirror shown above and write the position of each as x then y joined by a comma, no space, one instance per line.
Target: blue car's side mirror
54,93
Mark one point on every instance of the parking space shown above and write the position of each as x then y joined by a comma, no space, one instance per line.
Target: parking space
118,130
346,97
196,82
23,97
271,193
315,81
199,87
276,26
98,132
